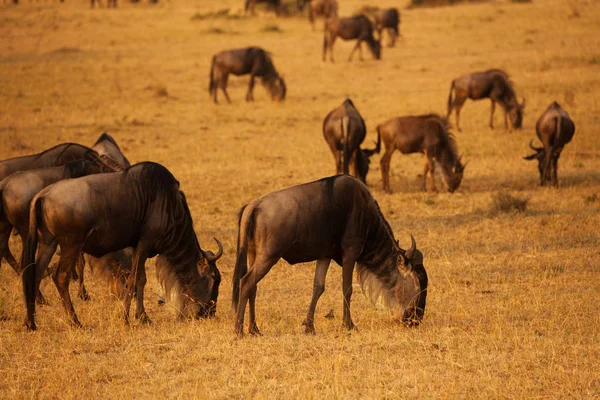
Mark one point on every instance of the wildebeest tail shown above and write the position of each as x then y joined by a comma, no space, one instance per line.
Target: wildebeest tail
345,122
450,98
378,144
245,232
211,79
28,256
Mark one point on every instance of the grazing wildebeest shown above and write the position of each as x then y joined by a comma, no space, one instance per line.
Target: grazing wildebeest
388,20
141,207
427,134
494,84
357,27
554,129
107,146
344,130
319,8
273,4
251,60
334,218
17,190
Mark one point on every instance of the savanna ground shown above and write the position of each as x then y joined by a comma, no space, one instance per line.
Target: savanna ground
514,296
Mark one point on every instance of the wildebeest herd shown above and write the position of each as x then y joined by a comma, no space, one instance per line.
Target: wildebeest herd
104,212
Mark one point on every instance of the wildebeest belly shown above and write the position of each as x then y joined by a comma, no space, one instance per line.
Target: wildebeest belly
301,252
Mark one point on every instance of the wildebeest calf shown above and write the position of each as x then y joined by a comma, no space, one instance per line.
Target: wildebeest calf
251,60
358,27
554,129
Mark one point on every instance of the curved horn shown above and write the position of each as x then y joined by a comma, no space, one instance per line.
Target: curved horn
534,148
411,252
212,259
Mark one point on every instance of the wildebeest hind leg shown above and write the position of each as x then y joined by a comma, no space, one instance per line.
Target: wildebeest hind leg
140,311
79,266
492,115
357,46
5,229
249,95
45,253
347,271
62,277
318,289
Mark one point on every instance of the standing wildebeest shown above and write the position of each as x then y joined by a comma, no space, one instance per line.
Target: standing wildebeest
251,60
555,129
319,8
334,218
427,134
17,190
141,207
274,4
108,3
494,84
344,130
107,146
389,20
357,27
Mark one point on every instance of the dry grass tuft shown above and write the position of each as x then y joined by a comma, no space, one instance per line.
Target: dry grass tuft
271,28
504,202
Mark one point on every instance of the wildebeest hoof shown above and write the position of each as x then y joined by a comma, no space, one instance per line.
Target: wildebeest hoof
309,327
41,301
144,319
329,315
84,296
30,326
253,330
350,326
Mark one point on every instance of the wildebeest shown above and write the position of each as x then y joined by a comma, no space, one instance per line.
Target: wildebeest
388,20
357,27
334,218
141,207
17,190
107,146
427,134
273,4
344,130
251,60
494,84
109,3
554,129
319,8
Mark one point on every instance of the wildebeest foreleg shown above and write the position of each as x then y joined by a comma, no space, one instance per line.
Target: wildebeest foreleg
250,95
140,311
139,265
62,277
492,114
385,169
431,167
555,170
248,288
347,271
357,46
318,289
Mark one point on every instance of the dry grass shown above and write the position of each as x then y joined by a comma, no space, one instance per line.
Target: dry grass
514,297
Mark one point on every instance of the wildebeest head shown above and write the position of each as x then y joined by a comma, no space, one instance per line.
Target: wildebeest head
363,159
411,289
455,179
277,88
210,279
375,47
540,156
516,114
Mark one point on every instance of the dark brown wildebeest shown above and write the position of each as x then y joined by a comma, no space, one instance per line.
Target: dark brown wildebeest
251,60
334,218
344,130
141,207
107,146
494,84
427,134
388,20
17,190
273,4
109,3
357,27
554,129
319,8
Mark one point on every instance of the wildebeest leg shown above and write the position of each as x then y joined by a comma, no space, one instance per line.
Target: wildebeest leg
224,88
332,38
249,95
555,170
431,171
492,114
506,120
138,265
62,277
311,17
44,256
79,266
248,287
357,46
318,289
347,271
5,229
458,104
385,169
140,311
425,173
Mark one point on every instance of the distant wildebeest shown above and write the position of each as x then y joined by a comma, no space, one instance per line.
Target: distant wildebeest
17,190
109,3
107,146
427,134
141,207
554,129
344,130
494,84
357,27
334,218
388,20
251,60
273,4
319,8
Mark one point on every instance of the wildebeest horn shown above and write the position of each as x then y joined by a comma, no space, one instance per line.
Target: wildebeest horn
212,259
411,252
534,148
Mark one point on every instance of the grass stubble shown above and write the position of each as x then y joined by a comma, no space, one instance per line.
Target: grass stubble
514,296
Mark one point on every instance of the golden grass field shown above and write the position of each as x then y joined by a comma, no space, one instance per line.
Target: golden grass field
514,298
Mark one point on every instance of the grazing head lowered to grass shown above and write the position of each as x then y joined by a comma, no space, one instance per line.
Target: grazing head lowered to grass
334,218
